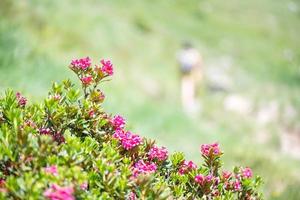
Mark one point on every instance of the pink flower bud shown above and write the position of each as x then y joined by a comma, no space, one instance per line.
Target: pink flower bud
91,113
226,175
21,100
237,185
87,80
107,67
199,178
209,178
186,167
247,172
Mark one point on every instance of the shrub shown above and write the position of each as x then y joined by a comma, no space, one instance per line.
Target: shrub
68,148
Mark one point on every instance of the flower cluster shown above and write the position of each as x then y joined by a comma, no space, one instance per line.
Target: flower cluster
187,166
234,181
128,140
226,175
21,100
237,186
142,167
86,80
118,122
107,67
82,63
247,172
56,192
201,179
160,154
88,75
210,149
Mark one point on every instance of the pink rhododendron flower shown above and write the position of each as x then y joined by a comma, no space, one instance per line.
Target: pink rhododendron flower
21,100
84,186
160,154
130,140
142,167
55,192
187,166
237,185
209,178
247,172
210,149
199,178
191,165
127,139
119,134
87,80
226,175
51,170
82,63
107,67
118,122
182,171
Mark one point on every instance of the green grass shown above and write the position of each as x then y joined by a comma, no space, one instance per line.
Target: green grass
38,39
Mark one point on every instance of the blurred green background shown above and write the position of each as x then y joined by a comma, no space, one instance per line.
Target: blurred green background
250,48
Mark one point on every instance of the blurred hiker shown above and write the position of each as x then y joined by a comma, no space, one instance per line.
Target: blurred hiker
190,62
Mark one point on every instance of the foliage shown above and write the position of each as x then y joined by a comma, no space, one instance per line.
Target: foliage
68,148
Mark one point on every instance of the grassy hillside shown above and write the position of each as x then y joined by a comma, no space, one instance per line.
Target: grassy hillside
254,43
